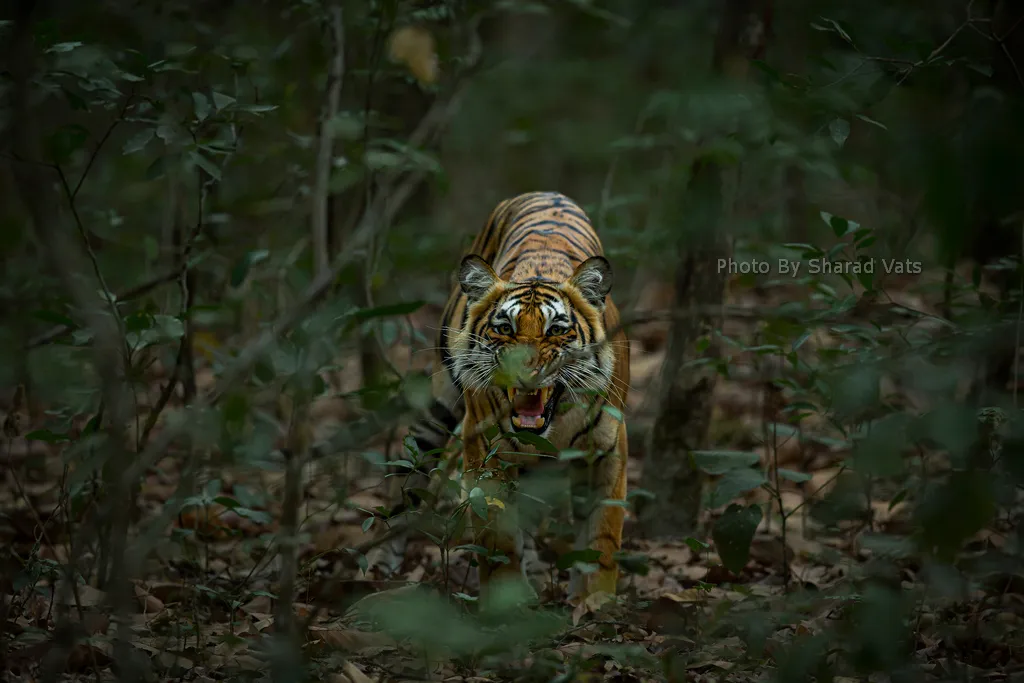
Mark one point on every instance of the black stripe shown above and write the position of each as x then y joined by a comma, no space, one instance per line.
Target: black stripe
546,233
589,428
545,250
583,227
497,220
440,412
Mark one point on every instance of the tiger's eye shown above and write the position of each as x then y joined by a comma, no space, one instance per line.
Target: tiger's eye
557,330
504,328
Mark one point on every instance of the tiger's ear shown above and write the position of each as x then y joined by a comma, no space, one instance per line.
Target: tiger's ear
476,277
594,279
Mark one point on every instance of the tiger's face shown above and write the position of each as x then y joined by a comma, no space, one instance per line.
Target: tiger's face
556,330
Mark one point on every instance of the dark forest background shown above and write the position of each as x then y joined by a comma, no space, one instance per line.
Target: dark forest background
227,232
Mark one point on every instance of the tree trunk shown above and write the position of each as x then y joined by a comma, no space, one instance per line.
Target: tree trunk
685,410
996,230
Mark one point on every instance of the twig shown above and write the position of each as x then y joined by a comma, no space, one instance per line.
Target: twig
1020,321
386,206
138,290
325,151
183,359
99,145
91,253
68,263
842,468
296,454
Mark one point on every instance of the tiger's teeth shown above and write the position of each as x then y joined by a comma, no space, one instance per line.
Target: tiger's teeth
534,422
511,394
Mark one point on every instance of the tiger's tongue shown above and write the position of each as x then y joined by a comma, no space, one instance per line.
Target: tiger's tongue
529,404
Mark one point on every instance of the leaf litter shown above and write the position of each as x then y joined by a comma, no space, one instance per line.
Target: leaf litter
203,604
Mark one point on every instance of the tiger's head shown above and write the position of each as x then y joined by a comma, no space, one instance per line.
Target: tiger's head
559,326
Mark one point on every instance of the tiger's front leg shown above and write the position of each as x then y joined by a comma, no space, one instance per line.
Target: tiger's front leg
499,532
599,525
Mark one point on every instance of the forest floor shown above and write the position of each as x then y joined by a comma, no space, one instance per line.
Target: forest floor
203,604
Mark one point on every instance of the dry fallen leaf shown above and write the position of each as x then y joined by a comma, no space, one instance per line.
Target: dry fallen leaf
349,640
350,673
413,46
592,603
150,604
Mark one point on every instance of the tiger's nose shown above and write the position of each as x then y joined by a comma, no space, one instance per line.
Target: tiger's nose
531,358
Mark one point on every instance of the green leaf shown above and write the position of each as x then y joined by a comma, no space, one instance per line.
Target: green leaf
418,391
887,545
404,308
512,367
478,502
840,226
570,558
47,436
256,108
248,260
613,411
168,327
138,321
367,523
156,169
632,563
535,440
879,453
402,156
202,162
220,100
720,462
63,47
201,105
733,532
347,126
572,454
734,483
145,330
258,516
263,370
794,476
868,119
696,545
138,142
471,547
801,339
839,129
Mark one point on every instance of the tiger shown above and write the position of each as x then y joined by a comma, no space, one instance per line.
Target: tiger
535,279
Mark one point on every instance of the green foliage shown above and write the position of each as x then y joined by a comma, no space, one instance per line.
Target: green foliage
733,533
181,147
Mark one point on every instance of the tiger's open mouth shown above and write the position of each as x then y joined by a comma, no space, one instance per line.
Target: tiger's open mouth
533,410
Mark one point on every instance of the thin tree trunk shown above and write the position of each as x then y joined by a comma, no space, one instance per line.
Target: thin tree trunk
684,413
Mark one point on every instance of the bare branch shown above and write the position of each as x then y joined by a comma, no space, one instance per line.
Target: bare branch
99,145
69,264
386,205
135,292
325,150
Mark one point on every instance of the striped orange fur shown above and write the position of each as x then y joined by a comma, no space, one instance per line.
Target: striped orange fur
535,278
